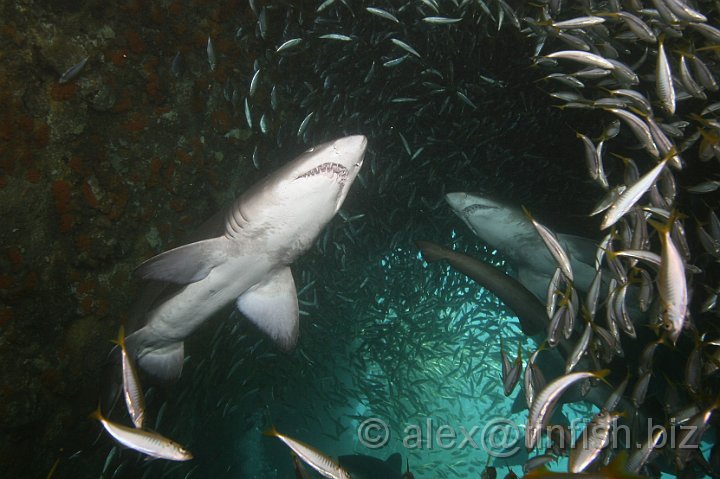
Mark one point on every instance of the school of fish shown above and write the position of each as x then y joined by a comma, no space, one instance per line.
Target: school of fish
623,318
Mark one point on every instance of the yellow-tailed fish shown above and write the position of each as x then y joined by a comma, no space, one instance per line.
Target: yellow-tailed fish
663,80
684,12
583,57
132,391
579,22
545,401
671,282
641,29
533,380
639,129
511,374
631,195
147,442
594,438
556,250
689,82
580,348
325,466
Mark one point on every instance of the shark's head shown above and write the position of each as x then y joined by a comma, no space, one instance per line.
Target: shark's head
297,200
336,162
491,220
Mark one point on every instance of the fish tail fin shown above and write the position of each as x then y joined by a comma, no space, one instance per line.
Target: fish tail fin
666,227
271,431
602,374
165,362
120,341
431,252
96,414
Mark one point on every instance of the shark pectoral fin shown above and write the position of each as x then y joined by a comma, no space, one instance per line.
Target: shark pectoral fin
185,264
272,306
165,362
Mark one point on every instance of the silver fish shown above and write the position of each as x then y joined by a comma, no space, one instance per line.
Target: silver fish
671,284
150,443
594,438
441,20
579,22
663,80
325,466
556,250
73,71
546,400
132,391
583,57
405,47
336,36
631,195
212,59
292,43
382,14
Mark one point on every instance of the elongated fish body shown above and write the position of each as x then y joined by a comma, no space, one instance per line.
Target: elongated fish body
132,391
591,441
510,231
545,402
263,232
517,297
150,443
672,285
325,466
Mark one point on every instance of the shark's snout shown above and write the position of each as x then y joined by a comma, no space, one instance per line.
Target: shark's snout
456,200
350,150
354,143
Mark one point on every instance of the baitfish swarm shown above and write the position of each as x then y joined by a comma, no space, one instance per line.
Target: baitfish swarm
420,80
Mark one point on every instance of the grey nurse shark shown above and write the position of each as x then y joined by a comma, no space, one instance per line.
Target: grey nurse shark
248,260
509,230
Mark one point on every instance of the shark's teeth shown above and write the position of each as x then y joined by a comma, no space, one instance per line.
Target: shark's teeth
331,170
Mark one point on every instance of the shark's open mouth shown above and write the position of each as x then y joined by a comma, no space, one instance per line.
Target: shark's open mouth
334,171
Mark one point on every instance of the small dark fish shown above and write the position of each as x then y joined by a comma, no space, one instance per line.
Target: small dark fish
212,58
177,67
73,71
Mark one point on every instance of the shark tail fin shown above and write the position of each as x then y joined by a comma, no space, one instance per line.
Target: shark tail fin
431,252
165,363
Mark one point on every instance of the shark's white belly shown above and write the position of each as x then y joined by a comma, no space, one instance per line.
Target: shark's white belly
176,318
